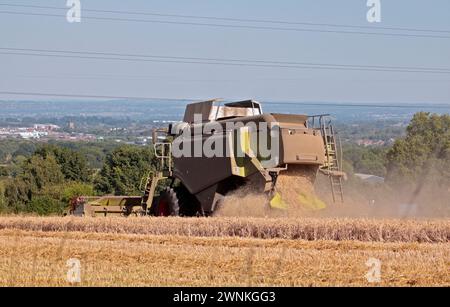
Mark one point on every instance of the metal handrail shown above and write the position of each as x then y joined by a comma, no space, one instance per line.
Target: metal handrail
319,118
165,156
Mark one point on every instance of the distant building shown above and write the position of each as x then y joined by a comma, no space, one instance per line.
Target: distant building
45,127
71,125
30,135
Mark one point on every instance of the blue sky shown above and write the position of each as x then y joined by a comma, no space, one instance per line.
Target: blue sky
81,76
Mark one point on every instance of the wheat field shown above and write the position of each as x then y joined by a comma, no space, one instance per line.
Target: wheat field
223,251
308,229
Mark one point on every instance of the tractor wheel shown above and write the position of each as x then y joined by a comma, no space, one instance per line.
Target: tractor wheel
167,204
188,203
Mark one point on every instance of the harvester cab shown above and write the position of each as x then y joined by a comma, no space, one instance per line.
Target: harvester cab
222,147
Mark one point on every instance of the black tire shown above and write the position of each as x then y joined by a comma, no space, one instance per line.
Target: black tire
167,204
188,203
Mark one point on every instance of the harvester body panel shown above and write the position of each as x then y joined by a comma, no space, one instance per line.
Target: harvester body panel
220,148
287,138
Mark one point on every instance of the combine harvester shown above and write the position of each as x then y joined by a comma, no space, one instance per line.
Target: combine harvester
300,146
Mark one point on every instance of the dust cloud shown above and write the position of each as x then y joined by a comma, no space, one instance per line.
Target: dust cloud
424,199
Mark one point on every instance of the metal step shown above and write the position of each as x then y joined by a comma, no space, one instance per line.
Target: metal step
332,163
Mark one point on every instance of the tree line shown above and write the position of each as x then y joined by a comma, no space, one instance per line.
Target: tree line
45,182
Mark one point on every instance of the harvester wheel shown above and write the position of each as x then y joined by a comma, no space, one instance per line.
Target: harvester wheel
189,205
167,204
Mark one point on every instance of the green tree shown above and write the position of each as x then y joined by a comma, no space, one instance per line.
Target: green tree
3,204
24,149
123,170
424,150
73,164
4,172
39,172
45,182
17,193
367,160
45,205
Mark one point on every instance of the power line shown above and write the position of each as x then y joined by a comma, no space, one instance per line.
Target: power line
313,66
90,96
225,64
234,19
349,105
121,59
250,27
225,59
106,77
359,105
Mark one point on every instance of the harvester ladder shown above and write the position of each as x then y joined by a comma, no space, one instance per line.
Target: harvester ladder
332,164
150,188
163,154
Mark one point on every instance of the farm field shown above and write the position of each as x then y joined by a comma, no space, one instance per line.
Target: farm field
223,251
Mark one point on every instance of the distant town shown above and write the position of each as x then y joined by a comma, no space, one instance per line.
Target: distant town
71,132
131,122
44,132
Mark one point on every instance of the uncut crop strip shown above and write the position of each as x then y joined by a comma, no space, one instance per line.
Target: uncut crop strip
309,229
